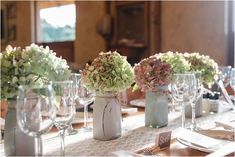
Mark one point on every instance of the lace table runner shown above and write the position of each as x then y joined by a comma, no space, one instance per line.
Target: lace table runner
134,136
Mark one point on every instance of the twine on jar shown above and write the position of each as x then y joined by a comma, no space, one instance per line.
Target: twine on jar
113,96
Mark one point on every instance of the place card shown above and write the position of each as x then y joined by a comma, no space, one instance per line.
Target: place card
163,140
196,138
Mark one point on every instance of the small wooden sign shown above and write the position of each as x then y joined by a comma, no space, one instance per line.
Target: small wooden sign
163,140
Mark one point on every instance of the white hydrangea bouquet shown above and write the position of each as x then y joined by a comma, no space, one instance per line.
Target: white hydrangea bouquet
109,72
33,65
192,62
177,61
204,64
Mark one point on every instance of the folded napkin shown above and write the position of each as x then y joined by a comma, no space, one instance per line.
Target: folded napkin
196,138
225,125
218,133
227,149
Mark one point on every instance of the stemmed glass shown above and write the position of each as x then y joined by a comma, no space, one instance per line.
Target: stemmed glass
232,79
63,102
35,112
183,90
224,74
196,91
177,91
85,97
75,77
232,84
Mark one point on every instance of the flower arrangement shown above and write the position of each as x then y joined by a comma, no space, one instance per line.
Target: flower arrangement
177,61
33,65
151,72
204,64
109,72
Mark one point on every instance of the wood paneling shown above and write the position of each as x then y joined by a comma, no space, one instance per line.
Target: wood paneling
64,49
195,26
48,4
88,42
134,48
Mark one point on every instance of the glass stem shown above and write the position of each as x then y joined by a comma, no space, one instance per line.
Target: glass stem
74,114
183,114
173,106
85,115
62,148
38,149
193,116
234,134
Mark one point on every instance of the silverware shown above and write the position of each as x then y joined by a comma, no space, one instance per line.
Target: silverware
126,153
148,151
225,125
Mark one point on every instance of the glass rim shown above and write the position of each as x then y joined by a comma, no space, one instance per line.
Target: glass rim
76,74
63,82
190,73
34,86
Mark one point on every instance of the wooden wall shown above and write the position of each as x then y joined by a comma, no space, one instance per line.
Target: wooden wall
185,26
88,42
18,23
195,26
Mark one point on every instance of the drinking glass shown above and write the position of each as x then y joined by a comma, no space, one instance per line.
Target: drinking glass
85,97
75,77
232,83
224,74
35,112
177,91
195,84
182,89
232,79
63,102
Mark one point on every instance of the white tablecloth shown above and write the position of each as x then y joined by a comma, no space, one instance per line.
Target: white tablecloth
134,136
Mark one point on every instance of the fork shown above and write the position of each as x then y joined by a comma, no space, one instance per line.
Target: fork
148,151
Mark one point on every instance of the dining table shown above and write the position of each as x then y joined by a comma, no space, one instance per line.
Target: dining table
135,136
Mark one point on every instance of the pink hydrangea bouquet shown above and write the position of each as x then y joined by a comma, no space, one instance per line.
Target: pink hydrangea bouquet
151,73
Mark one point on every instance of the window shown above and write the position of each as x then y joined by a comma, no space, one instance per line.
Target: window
55,21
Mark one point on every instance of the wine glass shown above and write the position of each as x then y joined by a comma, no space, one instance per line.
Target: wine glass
75,77
177,91
224,74
232,79
195,84
85,97
35,112
181,90
63,102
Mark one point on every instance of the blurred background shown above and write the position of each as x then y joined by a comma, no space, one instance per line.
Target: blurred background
79,30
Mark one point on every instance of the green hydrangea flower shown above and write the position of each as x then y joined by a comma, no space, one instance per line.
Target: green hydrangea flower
33,65
204,64
109,72
177,61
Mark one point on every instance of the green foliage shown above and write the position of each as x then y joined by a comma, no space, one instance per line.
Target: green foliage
52,33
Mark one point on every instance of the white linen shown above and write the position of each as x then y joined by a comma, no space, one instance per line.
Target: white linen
196,138
135,136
